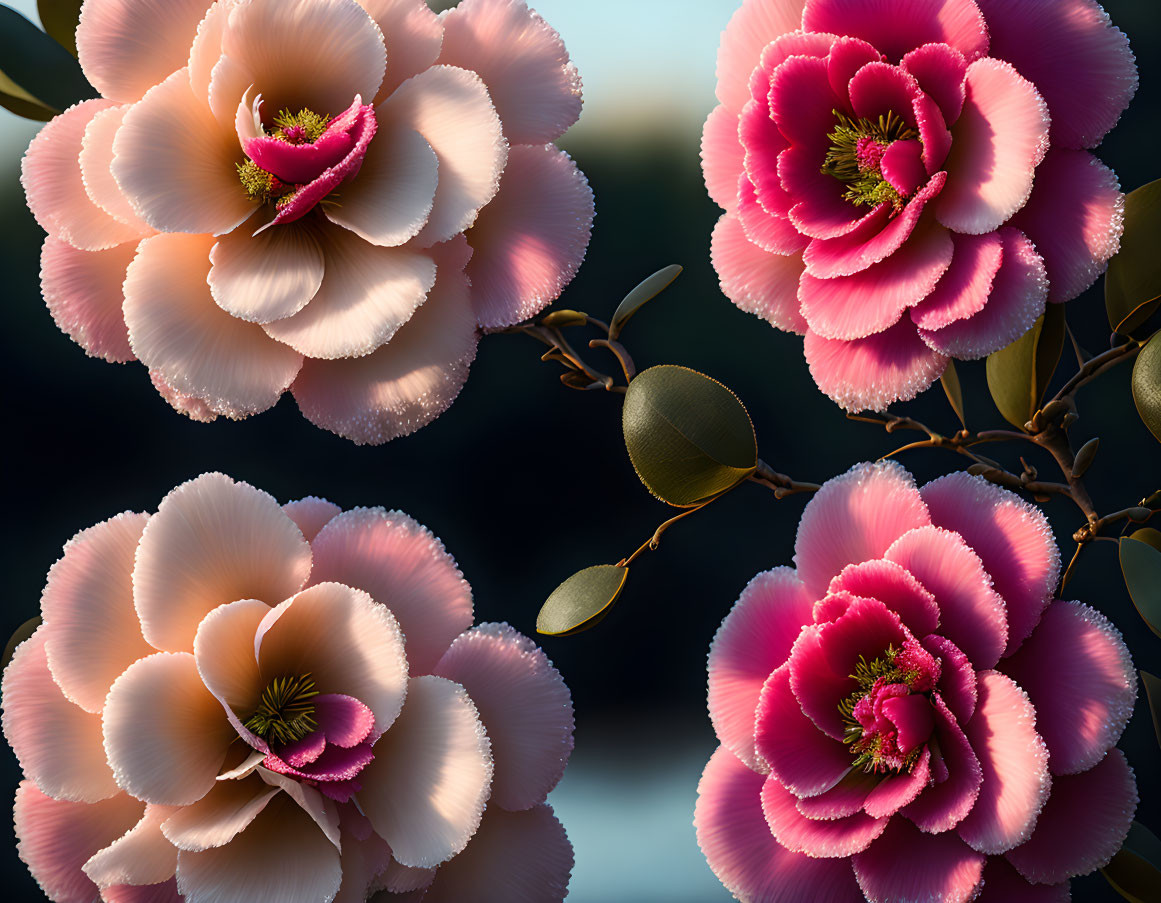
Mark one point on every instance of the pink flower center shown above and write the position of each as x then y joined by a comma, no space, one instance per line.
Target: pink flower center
857,149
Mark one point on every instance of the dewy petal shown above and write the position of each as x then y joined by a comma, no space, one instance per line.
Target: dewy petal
367,293
413,35
824,839
140,856
128,46
855,517
897,790
345,640
515,857
311,514
426,789
176,328
265,276
721,157
757,281
91,629
177,165
405,384
55,189
530,240
895,28
1077,671
940,71
894,586
1075,218
522,60
945,804
282,855
957,677
1003,884
524,704
224,651
904,864
964,289
754,639
452,110
176,760
213,539
83,292
206,48
96,158
1102,800
54,838
1015,766
999,140
57,743
219,816
754,25
733,834
194,408
1080,63
316,54
771,232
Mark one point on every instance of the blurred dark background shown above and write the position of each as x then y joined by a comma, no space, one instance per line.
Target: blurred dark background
527,481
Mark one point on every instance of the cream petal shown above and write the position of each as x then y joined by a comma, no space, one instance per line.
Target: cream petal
265,276
165,734
213,540
405,568
426,789
219,816
451,108
311,514
176,329
322,811
96,158
413,35
177,165
57,744
345,640
165,892
193,408
366,295
90,624
224,651
206,49
140,856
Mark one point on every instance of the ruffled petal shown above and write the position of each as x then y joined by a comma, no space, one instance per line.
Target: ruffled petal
771,232
164,892
265,276
311,514
754,25
897,790
219,816
940,71
83,292
946,803
904,864
894,586
224,651
957,677
413,35
757,281
96,159
823,839
964,289
140,856
897,26
721,156
1003,884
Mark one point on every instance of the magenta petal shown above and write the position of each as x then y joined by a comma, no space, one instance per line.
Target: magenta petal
1102,800
757,281
1077,671
903,166
933,133
165,892
733,834
1003,884
721,156
964,289
843,799
913,719
762,143
752,27
897,790
940,71
801,101
303,752
897,26
904,864
299,163
823,839
1080,63
847,56
957,677
880,88
944,804
343,719
335,764
770,232
896,588
796,43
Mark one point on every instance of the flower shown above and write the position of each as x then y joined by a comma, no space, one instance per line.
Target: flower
908,181
229,700
328,196
909,713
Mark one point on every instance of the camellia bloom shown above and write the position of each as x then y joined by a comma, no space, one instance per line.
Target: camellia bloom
909,713
908,181
229,700
322,195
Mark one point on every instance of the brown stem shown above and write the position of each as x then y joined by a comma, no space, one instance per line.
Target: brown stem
782,485
1055,440
1096,366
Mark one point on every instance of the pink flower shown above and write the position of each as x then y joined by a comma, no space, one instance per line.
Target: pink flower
229,700
909,713
908,181
325,196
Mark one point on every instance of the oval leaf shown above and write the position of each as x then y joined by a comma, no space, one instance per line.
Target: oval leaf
563,318
36,73
1018,376
1147,384
688,436
643,293
22,633
1135,872
1153,692
59,18
1133,281
1148,535
582,601
1141,565
954,391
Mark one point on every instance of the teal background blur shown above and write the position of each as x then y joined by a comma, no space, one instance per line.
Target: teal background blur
526,481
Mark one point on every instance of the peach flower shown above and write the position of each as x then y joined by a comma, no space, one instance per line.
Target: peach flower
229,700
326,196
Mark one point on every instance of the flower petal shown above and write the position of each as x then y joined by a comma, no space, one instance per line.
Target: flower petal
895,27
757,281
530,240
965,287
721,156
224,651
140,856
413,35
265,276
311,514
897,790
83,292
946,803
904,864
940,71
164,892
219,816
522,60
754,25
96,158
1003,884
426,789
826,839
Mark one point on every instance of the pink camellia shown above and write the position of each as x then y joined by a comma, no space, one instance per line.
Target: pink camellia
229,700
328,196
910,714
908,181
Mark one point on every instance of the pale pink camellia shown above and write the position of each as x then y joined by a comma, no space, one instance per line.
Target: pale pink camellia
325,196
229,700
909,181
910,713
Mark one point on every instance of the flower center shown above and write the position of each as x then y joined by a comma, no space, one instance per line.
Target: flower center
856,154
285,712
889,717
263,186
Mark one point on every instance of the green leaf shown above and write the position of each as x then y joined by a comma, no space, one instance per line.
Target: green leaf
563,318
1153,693
1147,384
38,77
1018,376
59,18
1149,535
954,391
688,436
582,601
1141,566
1133,281
643,293
1135,872
23,632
